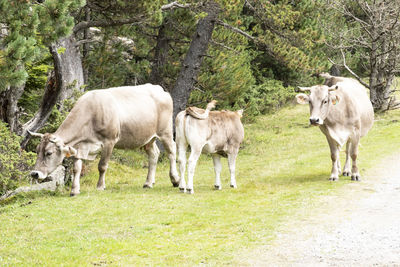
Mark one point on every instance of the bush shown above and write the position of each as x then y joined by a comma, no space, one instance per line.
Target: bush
265,97
14,162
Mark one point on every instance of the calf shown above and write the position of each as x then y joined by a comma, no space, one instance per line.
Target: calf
217,132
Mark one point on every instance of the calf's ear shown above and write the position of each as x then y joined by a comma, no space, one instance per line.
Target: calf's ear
69,151
302,99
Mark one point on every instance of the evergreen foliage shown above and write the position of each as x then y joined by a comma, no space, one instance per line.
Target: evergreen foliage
19,24
14,162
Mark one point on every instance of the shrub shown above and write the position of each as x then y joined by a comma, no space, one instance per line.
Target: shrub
265,97
14,162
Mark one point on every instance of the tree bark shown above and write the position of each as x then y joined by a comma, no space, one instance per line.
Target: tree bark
9,111
67,77
194,57
160,56
86,46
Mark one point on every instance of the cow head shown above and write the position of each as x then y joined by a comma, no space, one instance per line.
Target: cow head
320,99
50,153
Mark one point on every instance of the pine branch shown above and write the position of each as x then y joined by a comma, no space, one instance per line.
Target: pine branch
174,5
237,30
224,46
349,70
106,23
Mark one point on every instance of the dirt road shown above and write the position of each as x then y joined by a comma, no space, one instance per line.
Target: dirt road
360,226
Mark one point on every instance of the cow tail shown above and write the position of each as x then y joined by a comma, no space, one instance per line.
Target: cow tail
193,111
180,125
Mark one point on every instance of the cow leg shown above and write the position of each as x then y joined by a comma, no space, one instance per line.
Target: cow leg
75,189
152,152
182,146
193,158
217,170
232,168
346,169
335,158
103,165
170,148
355,175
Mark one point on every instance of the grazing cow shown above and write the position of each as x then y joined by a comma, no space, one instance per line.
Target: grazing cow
122,117
344,113
217,132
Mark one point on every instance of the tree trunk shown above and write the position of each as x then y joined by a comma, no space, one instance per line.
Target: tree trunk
9,111
194,57
335,70
86,46
160,56
68,67
66,78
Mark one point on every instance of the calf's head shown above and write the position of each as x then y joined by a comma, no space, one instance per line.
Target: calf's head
50,153
320,99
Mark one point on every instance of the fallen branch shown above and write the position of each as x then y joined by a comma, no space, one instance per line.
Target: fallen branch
56,180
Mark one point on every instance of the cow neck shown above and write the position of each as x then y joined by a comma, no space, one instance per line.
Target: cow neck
70,132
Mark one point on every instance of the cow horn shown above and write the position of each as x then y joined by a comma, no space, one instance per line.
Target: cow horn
35,134
333,88
304,88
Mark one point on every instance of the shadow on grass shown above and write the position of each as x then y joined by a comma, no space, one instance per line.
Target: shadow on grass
27,198
305,178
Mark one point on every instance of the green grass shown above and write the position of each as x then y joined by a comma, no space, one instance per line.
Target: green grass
284,166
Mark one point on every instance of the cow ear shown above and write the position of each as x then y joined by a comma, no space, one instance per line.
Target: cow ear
69,151
334,98
302,99
240,112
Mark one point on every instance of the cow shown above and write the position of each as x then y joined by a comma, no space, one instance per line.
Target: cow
122,117
217,132
342,110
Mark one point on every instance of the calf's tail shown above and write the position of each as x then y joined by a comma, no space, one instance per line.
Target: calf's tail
201,114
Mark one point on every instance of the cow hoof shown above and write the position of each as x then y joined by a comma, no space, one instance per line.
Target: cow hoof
175,185
189,191
355,177
73,194
233,186
334,179
217,187
147,186
183,190
346,173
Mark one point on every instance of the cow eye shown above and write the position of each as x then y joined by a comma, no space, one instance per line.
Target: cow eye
326,101
48,153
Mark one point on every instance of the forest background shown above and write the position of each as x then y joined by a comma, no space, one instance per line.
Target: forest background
248,54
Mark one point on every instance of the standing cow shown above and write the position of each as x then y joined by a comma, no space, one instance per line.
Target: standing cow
122,117
217,132
344,113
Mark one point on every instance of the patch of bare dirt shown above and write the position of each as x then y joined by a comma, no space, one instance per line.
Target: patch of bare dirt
360,226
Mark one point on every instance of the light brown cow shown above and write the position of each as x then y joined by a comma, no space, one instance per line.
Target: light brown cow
342,110
122,117
217,132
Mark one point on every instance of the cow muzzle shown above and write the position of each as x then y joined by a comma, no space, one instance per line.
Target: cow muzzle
38,175
316,121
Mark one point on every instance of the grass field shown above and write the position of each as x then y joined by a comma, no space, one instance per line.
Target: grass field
284,165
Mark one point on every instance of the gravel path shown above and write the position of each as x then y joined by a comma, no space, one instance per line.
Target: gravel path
358,227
